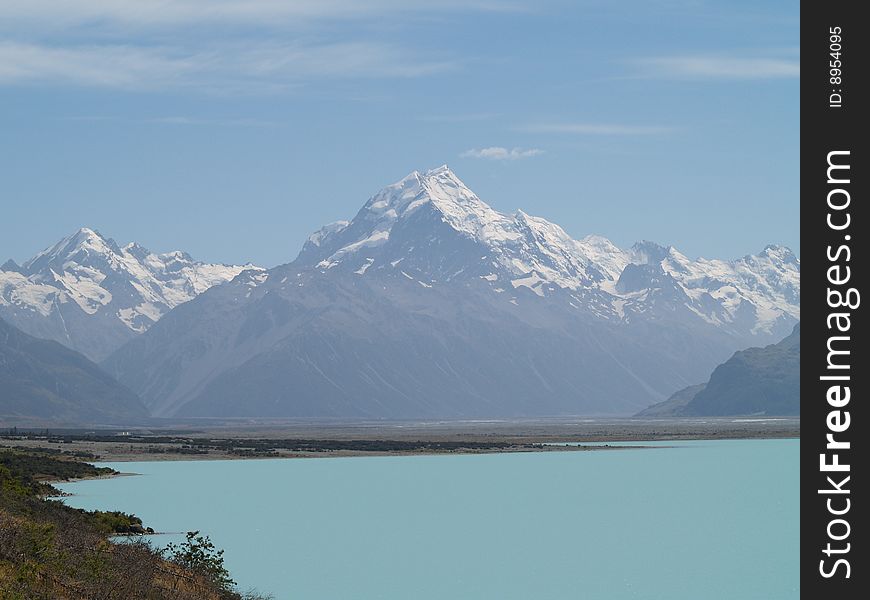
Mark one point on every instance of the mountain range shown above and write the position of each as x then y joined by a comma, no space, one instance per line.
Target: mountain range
429,303
92,295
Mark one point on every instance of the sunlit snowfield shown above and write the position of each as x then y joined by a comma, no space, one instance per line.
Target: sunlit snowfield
705,519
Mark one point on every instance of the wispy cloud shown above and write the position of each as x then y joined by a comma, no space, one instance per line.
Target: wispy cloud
112,15
235,67
251,46
595,129
102,66
500,153
718,67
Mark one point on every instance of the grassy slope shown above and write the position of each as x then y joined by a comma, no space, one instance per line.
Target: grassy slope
53,552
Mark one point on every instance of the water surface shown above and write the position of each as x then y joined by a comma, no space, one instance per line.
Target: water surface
695,520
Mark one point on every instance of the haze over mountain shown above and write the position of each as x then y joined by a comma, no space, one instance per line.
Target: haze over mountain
754,381
41,379
92,295
429,303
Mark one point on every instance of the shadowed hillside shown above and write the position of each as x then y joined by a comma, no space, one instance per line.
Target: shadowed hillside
45,380
753,381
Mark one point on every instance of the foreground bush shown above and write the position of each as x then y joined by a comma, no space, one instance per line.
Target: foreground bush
53,552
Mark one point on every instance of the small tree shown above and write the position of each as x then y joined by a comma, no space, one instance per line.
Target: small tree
199,555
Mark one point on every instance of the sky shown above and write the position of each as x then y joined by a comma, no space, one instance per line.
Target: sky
232,129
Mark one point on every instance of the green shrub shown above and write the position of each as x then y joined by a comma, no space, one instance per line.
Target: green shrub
199,555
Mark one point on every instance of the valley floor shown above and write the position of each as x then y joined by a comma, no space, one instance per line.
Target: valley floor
228,440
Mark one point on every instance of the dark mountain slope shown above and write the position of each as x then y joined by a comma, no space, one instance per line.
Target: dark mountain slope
41,379
753,381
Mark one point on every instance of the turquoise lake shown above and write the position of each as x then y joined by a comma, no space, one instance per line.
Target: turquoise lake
703,520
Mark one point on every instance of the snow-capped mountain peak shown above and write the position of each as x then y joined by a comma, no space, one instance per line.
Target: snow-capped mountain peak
443,191
646,252
88,280
437,229
431,302
79,245
518,247
781,253
439,191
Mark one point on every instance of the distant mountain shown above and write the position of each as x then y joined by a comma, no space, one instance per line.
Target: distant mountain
674,405
754,381
429,303
41,379
92,295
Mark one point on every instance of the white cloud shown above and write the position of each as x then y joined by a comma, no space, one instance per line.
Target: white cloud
499,153
250,46
271,13
718,67
228,67
595,129
102,66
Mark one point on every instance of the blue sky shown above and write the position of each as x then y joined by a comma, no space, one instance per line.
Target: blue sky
232,129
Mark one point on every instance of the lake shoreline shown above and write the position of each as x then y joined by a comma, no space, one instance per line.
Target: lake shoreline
54,480
255,443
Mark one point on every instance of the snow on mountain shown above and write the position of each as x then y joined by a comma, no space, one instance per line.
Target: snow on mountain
757,293
521,249
430,303
760,293
324,232
89,293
